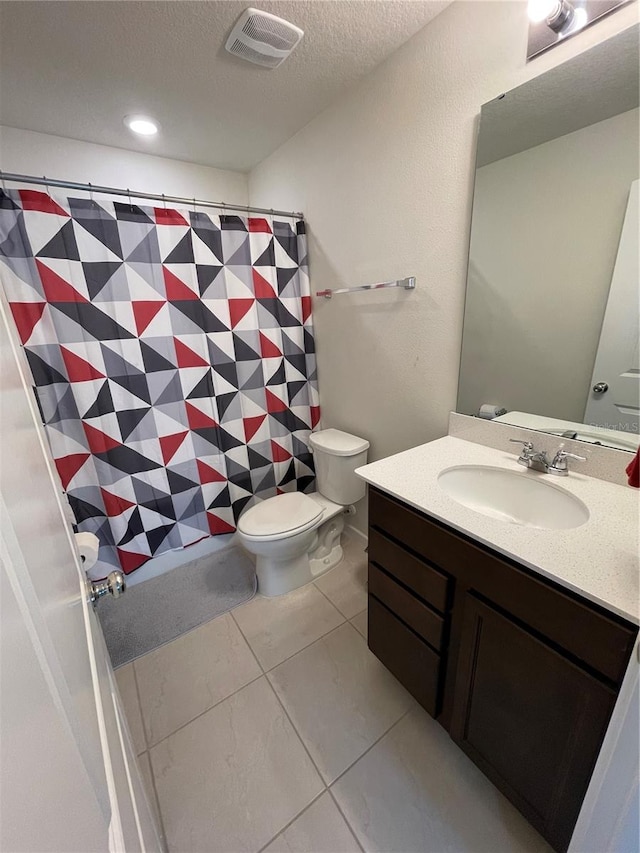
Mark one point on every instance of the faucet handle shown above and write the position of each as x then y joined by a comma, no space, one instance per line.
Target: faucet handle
564,454
559,465
527,447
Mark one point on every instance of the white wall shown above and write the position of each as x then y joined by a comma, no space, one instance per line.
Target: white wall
385,177
40,154
546,229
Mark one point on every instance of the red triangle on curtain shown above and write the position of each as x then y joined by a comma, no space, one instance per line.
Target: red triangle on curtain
209,474
252,425
274,404
261,287
168,216
34,200
268,349
78,369
68,466
315,416
177,291
306,308
278,453
98,441
26,315
259,225
187,357
56,289
169,444
238,308
144,312
114,504
198,419
217,525
131,561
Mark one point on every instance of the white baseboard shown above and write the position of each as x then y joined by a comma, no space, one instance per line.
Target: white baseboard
356,532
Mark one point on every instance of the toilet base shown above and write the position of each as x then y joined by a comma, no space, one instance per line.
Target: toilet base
277,576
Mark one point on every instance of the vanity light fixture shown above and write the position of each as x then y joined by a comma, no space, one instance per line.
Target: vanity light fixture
552,21
558,14
142,125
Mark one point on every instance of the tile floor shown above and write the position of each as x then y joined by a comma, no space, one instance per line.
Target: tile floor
273,728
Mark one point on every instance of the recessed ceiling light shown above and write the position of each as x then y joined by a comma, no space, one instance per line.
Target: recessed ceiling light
142,125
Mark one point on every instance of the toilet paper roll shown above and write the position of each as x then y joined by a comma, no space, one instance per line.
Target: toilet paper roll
88,545
488,411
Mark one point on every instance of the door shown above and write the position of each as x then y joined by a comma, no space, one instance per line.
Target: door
68,776
531,719
614,396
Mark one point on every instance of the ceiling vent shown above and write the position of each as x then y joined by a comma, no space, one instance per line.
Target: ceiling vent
263,38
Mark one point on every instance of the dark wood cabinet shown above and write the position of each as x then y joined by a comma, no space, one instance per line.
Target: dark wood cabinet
531,719
523,674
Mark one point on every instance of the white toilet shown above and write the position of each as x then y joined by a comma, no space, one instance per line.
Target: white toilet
296,537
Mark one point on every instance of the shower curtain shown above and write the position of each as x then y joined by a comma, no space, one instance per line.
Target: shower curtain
172,354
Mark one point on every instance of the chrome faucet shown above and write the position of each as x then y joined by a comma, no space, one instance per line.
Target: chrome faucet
537,459
530,457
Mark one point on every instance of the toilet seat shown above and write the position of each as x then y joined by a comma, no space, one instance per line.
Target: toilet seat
280,516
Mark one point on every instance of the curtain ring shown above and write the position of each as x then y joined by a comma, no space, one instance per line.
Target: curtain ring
46,185
4,186
91,193
130,202
164,201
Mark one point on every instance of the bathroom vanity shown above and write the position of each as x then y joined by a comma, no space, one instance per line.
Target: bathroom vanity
515,639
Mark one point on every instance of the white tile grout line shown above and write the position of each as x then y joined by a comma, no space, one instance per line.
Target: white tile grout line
148,753
144,727
206,711
293,654
294,819
242,634
326,787
344,817
264,672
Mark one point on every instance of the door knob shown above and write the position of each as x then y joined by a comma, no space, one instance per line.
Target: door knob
114,584
600,388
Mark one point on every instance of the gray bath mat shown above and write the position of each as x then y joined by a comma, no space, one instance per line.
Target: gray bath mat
157,611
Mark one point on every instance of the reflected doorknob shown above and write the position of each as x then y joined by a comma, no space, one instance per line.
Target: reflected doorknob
600,388
114,584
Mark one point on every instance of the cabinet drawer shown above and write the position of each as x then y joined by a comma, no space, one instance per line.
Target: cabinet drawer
423,579
413,663
583,630
410,609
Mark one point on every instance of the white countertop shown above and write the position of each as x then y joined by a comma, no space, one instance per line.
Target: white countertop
600,560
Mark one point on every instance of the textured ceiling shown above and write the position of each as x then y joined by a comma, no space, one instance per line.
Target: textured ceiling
76,69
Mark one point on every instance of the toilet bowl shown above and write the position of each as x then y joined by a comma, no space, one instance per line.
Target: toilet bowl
296,537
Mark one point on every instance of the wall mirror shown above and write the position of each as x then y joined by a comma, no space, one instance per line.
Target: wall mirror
550,337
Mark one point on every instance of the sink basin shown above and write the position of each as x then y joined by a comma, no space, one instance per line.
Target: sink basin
513,497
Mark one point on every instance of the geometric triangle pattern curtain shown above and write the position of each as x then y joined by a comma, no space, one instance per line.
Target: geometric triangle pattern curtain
173,358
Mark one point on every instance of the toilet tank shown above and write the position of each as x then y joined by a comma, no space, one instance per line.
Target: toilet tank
336,455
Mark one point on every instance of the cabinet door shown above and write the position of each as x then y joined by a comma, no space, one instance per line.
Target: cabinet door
531,719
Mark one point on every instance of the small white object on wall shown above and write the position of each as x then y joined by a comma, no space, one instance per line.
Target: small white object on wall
488,412
88,545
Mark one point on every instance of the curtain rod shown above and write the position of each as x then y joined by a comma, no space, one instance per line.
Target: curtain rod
94,188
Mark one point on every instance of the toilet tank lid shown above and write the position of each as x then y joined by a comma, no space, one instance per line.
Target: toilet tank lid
279,514
337,443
